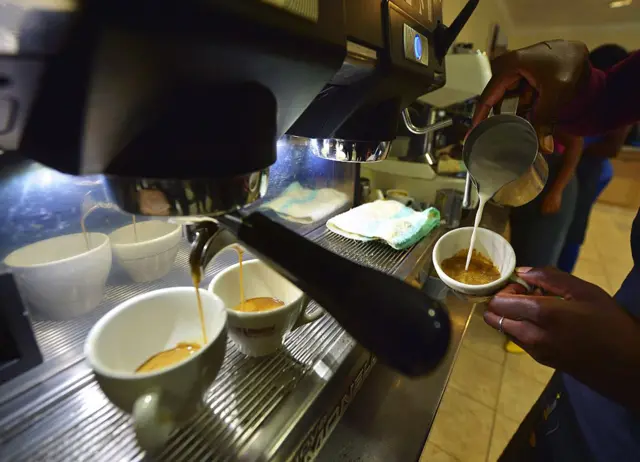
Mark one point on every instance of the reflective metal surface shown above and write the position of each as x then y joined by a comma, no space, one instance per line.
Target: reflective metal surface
350,151
449,202
466,198
160,197
406,117
527,187
501,154
207,239
391,416
258,409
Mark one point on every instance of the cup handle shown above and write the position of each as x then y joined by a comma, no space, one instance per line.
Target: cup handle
522,282
151,422
306,318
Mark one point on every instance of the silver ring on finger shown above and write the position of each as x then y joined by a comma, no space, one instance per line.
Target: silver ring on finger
500,328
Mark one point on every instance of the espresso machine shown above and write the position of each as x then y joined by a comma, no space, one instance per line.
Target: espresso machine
182,107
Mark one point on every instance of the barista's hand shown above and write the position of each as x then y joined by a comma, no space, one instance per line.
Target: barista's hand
577,328
551,203
553,71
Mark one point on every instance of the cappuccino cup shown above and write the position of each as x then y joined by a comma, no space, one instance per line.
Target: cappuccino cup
259,333
143,326
488,243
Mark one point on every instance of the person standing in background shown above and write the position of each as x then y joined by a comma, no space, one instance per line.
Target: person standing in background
594,171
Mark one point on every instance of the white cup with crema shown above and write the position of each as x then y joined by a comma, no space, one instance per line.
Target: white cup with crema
137,330
260,333
488,243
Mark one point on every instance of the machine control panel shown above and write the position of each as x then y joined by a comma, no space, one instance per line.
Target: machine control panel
416,46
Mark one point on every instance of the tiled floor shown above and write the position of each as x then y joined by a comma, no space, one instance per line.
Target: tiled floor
491,391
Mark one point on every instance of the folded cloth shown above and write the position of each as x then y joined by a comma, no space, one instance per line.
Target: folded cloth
304,205
390,221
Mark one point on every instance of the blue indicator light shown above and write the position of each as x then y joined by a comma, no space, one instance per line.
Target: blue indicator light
417,47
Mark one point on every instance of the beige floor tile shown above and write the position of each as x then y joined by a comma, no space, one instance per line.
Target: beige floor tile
517,394
477,377
525,364
593,272
621,213
589,249
503,430
612,240
432,453
616,274
616,248
462,427
483,339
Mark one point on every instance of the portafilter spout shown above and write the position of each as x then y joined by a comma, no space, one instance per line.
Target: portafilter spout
207,238
398,323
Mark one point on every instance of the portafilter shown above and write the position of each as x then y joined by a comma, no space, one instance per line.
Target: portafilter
398,323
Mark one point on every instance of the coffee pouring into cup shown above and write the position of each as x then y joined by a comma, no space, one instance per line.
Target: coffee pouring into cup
262,306
502,160
489,244
164,394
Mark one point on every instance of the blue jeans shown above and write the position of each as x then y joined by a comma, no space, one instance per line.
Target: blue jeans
550,431
538,238
594,174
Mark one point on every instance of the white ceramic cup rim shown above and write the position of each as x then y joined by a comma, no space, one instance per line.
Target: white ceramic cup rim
124,245
96,330
253,314
105,242
473,287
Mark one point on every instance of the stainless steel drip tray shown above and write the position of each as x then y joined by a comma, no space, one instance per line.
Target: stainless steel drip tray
258,408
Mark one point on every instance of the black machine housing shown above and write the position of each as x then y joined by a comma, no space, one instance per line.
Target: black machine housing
203,89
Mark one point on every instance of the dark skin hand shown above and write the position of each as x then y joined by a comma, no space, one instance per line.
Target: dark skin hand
550,73
575,327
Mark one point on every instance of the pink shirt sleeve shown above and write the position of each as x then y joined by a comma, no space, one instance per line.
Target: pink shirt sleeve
610,100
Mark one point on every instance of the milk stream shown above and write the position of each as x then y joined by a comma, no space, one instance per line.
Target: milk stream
483,198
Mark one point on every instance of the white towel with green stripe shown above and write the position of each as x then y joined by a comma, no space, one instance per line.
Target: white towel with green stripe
304,205
385,220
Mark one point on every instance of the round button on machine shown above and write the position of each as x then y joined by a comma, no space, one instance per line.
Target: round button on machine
417,47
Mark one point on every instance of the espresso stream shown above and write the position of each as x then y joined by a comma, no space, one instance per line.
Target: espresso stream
183,350
256,304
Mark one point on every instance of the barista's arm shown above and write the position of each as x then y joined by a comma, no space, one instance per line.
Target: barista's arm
609,145
552,202
571,95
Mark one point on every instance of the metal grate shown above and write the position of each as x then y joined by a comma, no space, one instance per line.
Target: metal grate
79,423
373,253
58,337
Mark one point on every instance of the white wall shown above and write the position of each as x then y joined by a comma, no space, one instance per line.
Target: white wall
478,28
627,35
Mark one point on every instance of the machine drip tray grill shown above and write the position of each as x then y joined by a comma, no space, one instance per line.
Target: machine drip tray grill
75,421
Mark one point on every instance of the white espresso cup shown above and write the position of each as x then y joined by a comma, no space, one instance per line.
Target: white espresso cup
261,333
491,245
140,328
63,277
151,256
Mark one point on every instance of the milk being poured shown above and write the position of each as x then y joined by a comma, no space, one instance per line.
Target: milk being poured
483,198
492,166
